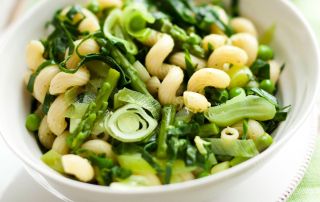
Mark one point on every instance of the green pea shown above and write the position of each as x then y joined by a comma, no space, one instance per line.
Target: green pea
94,6
33,122
234,92
267,85
265,53
263,142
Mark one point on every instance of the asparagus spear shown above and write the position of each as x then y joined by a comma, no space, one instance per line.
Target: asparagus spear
95,110
136,83
190,42
168,114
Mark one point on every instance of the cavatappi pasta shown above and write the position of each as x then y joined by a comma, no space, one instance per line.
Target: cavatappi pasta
131,94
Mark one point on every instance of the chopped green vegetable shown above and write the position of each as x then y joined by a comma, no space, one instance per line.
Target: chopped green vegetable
129,96
208,130
130,123
135,163
168,114
252,107
237,148
237,160
220,167
53,160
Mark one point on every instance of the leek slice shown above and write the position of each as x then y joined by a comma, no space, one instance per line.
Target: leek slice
130,124
252,107
135,19
238,148
114,32
125,96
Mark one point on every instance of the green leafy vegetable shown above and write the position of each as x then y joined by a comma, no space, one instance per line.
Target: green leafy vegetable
261,69
216,96
262,93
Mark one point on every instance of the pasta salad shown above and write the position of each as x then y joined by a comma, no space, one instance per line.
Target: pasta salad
143,93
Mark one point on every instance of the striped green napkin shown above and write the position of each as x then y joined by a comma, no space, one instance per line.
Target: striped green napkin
309,188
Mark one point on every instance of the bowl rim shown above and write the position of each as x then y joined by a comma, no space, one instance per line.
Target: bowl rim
52,175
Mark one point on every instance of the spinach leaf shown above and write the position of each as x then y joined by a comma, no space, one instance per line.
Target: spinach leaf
216,96
262,93
261,69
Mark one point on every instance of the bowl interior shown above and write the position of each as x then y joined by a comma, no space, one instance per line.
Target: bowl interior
293,46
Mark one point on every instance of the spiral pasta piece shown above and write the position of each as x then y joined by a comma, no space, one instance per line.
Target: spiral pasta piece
179,60
170,85
46,137
248,43
90,23
208,77
34,54
215,40
56,115
99,147
158,53
63,81
227,55
89,46
243,25
42,82
195,102
153,85
60,143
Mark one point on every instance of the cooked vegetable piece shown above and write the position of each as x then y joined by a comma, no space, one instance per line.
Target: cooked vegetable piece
237,148
129,96
252,107
53,160
130,123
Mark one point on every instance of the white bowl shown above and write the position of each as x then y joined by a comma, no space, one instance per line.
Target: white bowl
294,43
